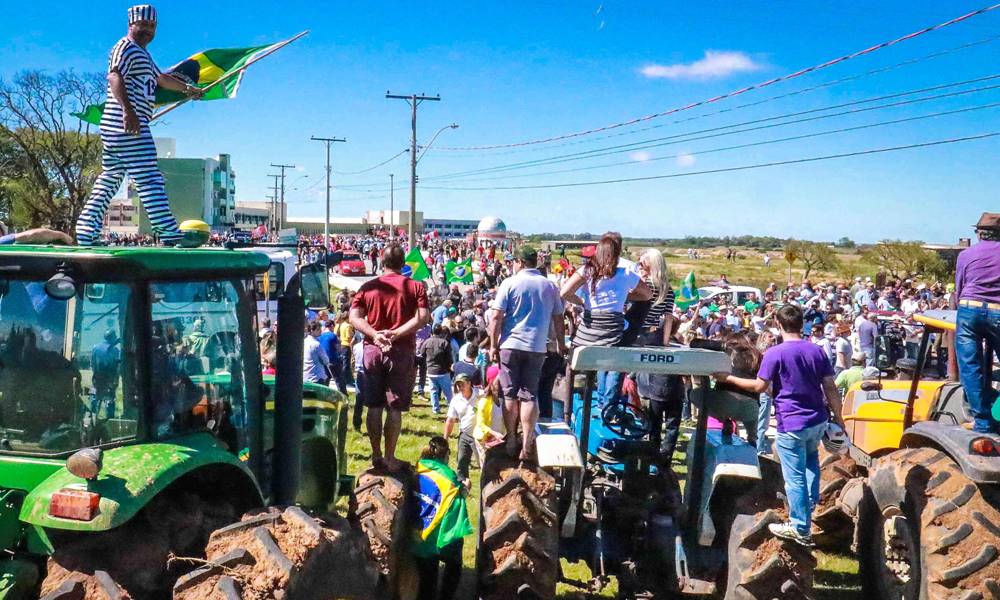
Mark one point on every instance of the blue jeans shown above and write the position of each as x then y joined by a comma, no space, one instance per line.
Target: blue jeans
869,356
609,387
440,386
763,420
798,452
974,325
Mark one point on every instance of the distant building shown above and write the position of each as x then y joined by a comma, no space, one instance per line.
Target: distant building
198,188
400,219
250,215
451,228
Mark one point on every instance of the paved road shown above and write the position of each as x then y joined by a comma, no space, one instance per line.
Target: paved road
351,283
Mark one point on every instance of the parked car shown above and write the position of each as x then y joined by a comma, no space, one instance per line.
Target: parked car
736,294
352,264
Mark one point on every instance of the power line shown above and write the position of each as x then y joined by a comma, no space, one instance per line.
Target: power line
747,145
386,161
729,169
767,100
722,129
744,90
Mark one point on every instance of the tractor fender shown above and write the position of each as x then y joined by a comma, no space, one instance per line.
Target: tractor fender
133,475
727,458
954,441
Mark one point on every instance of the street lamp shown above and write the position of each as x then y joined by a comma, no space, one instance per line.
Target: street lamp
431,143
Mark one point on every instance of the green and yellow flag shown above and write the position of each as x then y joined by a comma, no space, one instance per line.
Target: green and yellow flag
444,516
458,272
414,266
202,70
688,292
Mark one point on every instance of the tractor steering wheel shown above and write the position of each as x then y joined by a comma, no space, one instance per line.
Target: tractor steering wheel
625,420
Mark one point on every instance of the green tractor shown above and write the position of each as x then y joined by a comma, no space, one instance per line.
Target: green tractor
143,454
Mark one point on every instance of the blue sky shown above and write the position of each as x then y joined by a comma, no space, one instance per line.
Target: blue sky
513,71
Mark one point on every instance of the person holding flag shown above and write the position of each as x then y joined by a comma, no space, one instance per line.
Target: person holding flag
444,521
128,143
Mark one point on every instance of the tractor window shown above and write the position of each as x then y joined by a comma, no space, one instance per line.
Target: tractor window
272,283
197,361
67,376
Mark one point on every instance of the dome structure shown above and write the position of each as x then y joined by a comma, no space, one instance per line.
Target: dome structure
492,226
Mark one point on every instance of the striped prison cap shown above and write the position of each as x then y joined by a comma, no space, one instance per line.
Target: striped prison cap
141,12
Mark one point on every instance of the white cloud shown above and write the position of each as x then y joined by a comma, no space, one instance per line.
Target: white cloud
686,160
639,156
715,65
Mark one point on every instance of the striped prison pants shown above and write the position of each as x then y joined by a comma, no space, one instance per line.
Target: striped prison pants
135,156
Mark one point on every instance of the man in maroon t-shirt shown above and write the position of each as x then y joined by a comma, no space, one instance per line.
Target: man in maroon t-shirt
388,311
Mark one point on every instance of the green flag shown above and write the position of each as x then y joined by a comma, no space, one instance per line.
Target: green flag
202,69
414,266
687,294
458,272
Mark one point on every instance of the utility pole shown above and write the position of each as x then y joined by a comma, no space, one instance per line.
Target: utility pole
281,207
274,204
326,223
392,213
414,100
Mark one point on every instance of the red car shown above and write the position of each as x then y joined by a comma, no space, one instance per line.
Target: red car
352,264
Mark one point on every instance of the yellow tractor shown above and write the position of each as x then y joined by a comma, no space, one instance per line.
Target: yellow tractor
922,488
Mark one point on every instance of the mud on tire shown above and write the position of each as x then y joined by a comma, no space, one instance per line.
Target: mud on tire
519,536
286,554
832,529
955,525
763,567
381,508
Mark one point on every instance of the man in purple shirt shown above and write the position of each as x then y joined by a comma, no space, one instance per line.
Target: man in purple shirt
800,378
977,289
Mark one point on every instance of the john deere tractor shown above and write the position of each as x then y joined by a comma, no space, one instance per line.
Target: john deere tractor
136,429
601,495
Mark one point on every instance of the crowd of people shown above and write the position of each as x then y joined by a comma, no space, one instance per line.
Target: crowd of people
487,354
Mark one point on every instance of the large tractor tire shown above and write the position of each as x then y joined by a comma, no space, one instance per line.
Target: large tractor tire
519,532
832,528
763,567
133,560
927,531
381,508
285,554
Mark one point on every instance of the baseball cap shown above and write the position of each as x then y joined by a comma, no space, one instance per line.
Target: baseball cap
870,373
462,377
527,254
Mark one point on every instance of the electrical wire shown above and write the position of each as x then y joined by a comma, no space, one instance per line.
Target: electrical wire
722,130
728,169
384,162
767,100
763,84
747,145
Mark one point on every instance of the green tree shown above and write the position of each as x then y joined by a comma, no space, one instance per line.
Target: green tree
812,255
904,259
52,157
845,242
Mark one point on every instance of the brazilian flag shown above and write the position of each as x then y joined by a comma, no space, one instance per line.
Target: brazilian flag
458,272
687,294
202,70
444,516
414,266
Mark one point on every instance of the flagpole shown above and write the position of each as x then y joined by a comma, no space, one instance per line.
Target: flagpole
277,47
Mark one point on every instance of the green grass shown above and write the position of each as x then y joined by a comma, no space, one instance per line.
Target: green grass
836,576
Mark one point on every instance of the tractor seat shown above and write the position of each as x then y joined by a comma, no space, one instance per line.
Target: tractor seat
617,451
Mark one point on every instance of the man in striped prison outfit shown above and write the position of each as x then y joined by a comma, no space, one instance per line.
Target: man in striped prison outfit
128,143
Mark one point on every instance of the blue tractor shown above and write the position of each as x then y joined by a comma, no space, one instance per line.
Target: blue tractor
601,495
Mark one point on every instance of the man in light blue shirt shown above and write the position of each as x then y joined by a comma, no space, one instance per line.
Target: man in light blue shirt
439,313
315,363
526,305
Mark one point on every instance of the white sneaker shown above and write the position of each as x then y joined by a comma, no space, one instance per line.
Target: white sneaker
787,531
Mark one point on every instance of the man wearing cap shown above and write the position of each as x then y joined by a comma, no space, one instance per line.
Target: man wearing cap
526,305
128,144
977,290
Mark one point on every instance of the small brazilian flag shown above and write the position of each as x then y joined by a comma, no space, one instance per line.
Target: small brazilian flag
687,294
444,516
414,267
458,272
202,70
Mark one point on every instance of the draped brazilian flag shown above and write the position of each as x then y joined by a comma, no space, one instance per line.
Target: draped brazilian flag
458,272
414,267
444,516
688,292
201,69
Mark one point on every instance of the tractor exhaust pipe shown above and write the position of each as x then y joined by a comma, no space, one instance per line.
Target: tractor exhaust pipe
288,395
